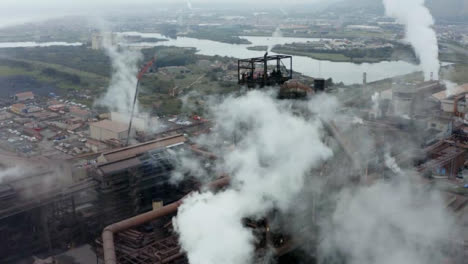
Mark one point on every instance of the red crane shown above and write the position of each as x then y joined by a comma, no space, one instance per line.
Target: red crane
139,77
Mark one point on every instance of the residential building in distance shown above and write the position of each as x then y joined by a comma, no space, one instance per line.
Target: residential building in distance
20,97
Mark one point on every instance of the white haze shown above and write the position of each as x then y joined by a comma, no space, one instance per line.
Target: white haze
121,92
376,105
388,223
268,167
189,5
10,173
272,163
418,22
391,163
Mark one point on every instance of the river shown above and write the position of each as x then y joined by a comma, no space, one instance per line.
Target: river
32,44
346,72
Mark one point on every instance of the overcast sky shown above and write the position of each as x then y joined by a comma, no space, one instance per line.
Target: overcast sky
19,11
81,3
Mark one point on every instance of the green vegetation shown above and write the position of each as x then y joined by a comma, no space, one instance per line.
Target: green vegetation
456,73
62,77
171,56
138,39
79,58
258,48
319,56
74,70
400,52
220,34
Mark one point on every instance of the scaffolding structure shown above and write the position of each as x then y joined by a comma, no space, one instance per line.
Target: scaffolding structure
256,72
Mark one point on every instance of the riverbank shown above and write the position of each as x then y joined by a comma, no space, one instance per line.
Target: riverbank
339,57
258,48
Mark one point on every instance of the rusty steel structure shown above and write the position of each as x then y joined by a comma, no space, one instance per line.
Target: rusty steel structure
248,74
108,245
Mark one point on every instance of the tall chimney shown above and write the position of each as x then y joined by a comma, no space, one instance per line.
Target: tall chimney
364,78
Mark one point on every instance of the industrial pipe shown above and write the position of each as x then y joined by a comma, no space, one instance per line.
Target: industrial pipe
108,245
108,233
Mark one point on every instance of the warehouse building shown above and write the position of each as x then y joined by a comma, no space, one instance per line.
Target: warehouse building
106,129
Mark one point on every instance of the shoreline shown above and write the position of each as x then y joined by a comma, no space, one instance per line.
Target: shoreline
336,57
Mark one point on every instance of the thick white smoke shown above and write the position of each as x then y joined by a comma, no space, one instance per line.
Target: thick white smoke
12,173
275,151
388,223
391,163
271,151
121,92
376,105
418,22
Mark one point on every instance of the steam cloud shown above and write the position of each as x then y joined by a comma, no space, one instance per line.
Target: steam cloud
12,172
387,223
120,94
418,22
268,168
274,165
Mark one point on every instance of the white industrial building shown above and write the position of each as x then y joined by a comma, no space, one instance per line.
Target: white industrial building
106,129
141,122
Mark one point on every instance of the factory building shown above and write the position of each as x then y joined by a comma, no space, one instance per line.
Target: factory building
18,109
106,129
447,99
132,178
65,210
411,101
80,113
141,122
20,97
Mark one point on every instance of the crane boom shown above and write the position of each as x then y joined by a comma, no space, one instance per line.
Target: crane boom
139,77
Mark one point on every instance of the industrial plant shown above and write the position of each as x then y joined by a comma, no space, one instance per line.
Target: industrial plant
209,135
121,198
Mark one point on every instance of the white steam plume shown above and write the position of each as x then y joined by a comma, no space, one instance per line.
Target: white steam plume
391,163
276,34
12,173
189,5
388,223
418,22
121,92
376,105
268,167
273,165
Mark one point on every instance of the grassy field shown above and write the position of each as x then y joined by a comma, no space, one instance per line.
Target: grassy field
66,78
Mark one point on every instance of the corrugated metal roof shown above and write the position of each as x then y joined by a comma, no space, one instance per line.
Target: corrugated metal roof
25,95
111,125
132,151
110,168
457,91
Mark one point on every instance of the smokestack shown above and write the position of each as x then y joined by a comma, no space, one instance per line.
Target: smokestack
364,78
